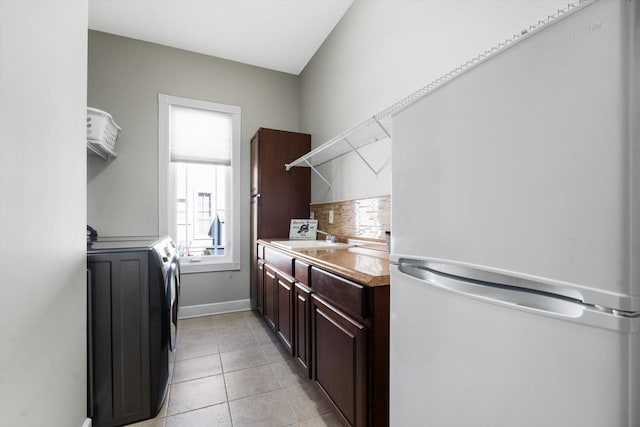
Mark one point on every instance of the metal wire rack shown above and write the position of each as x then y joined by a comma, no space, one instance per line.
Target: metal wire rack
378,127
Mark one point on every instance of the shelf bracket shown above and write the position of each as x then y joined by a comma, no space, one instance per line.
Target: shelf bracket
361,157
382,127
318,173
101,150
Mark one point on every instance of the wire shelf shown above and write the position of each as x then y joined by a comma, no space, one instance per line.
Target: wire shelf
378,127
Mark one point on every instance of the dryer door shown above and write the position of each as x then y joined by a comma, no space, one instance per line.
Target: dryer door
173,291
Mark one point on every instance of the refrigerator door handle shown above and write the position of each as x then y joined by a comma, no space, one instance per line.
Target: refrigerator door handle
522,299
514,297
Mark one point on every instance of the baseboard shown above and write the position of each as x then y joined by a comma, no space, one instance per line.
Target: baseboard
87,423
214,308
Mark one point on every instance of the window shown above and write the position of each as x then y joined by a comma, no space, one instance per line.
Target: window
199,170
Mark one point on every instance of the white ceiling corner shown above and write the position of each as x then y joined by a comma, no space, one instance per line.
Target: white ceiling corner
281,35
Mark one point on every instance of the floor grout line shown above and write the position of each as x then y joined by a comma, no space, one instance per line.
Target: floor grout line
267,362
226,393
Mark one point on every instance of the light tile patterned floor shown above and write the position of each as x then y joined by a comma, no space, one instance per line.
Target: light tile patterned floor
231,370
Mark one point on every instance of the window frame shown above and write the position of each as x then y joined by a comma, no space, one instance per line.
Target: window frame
166,185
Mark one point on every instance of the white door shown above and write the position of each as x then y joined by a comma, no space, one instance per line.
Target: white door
528,164
463,360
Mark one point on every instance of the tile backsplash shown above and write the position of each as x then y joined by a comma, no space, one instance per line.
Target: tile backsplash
365,219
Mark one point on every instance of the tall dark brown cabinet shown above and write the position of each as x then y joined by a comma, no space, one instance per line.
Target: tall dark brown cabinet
277,196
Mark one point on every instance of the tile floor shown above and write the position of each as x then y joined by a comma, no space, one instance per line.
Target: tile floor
231,370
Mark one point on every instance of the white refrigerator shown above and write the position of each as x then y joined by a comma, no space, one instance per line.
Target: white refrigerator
515,250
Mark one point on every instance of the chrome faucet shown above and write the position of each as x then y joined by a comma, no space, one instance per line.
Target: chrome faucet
329,238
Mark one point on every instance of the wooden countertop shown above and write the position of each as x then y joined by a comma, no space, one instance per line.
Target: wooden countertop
366,266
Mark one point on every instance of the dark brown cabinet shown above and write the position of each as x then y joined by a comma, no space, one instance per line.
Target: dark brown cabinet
339,359
256,301
285,311
278,295
277,196
337,329
302,326
260,287
302,314
270,296
350,342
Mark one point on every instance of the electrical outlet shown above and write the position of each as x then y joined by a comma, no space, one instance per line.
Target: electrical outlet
312,216
331,216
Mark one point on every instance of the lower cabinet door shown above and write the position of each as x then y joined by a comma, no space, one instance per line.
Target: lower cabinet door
260,287
285,312
302,325
270,296
339,360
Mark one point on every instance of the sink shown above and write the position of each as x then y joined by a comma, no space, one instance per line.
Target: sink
310,244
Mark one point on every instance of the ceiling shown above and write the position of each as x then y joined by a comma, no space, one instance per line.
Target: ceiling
279,35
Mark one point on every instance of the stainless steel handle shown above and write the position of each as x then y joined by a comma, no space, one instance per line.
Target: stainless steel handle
482,275
500,294
522,299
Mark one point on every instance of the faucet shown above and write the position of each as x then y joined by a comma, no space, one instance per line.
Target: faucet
329,238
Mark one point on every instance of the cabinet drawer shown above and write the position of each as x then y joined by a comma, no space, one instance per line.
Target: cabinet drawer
302,272
278,260
348,296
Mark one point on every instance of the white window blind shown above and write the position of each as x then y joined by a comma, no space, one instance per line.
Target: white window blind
199,181
200,136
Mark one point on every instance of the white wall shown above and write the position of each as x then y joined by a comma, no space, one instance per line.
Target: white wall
125,77
43,60
380,52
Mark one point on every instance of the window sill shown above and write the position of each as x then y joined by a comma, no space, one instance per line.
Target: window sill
202,265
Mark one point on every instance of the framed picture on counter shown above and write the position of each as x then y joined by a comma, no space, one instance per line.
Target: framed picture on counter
303,229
